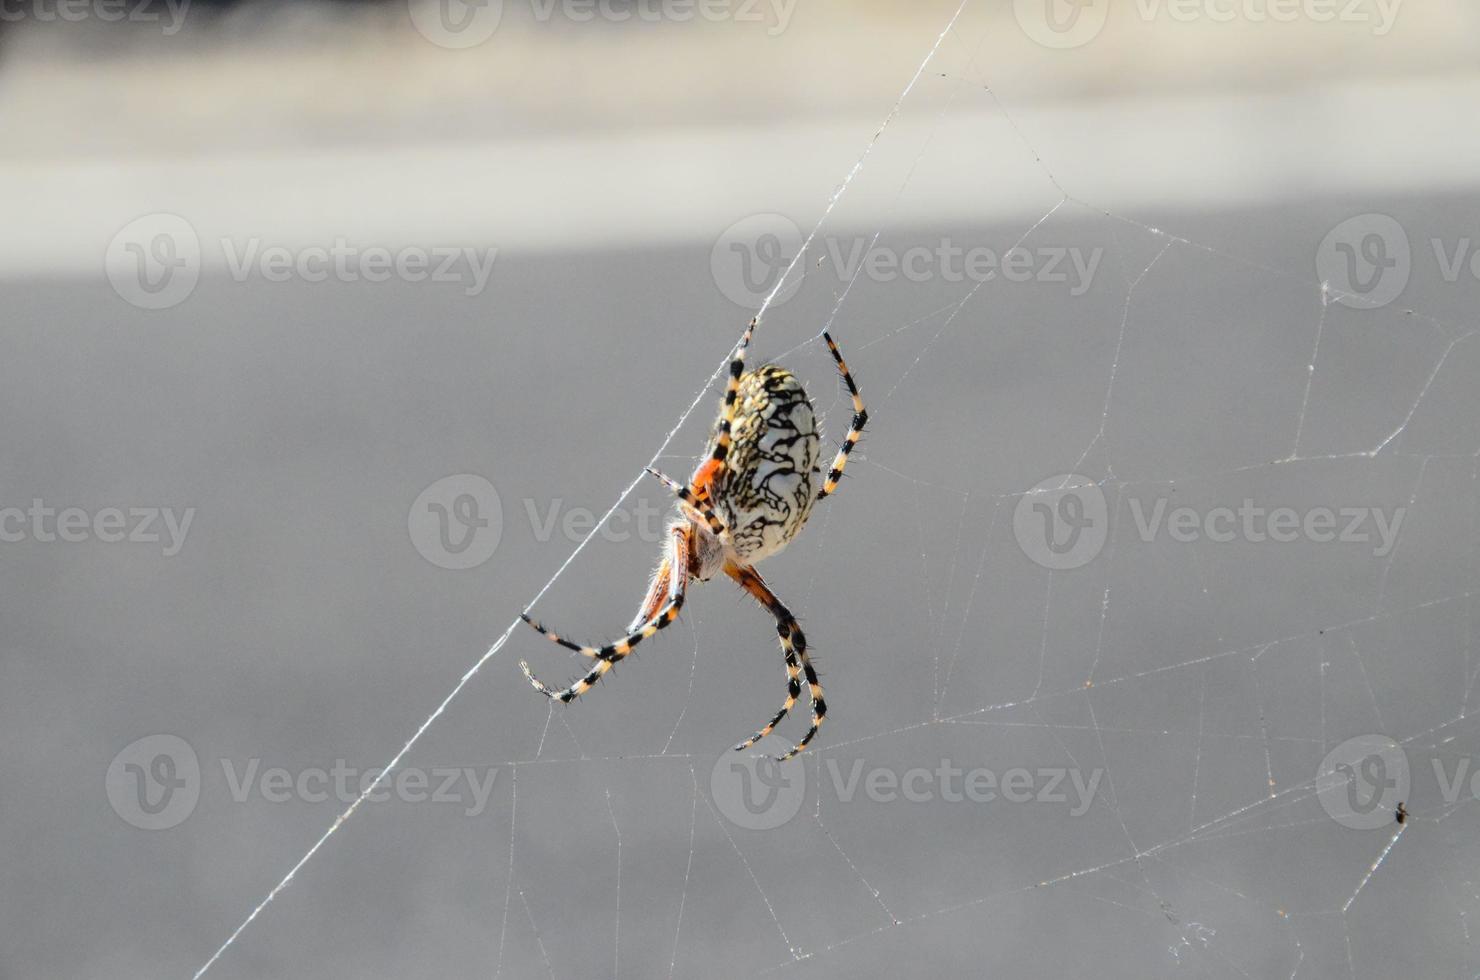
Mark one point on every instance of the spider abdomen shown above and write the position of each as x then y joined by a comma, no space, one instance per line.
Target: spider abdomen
766,493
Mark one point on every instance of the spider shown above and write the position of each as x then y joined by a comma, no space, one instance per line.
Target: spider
746,501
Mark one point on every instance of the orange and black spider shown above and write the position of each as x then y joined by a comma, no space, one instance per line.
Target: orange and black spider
745,502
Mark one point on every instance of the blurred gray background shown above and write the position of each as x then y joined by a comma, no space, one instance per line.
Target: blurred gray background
643,183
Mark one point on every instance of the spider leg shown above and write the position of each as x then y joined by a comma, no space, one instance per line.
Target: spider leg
607,656
793,648
855,429
687,496
727,415
657,591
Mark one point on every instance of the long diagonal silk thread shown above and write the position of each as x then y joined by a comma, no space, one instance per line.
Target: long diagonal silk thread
503,638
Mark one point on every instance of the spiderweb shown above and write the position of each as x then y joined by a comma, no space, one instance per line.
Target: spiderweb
1203,680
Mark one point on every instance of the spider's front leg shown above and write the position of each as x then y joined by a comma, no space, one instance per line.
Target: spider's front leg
855,428
793,649
688,496
607,656
721,448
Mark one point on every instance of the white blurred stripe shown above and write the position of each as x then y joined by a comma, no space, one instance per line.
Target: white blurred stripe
1208,151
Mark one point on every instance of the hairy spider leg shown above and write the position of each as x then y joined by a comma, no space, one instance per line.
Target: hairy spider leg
607,656
855,429
732,390
793,649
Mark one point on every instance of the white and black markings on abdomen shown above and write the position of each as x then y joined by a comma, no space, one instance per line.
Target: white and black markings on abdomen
770,481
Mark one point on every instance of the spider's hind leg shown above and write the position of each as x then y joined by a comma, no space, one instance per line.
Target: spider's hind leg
793,649
657,590
793,689
607,656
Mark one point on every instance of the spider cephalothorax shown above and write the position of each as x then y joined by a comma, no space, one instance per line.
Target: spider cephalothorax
745,502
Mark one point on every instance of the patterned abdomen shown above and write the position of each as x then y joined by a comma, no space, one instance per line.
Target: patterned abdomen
770,481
